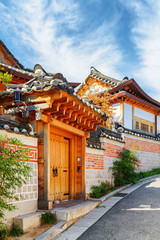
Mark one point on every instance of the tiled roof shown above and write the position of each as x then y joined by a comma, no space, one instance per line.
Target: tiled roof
7,50
98,75
140,134
136,89
18,70
43,83
94,140
102,78
10,125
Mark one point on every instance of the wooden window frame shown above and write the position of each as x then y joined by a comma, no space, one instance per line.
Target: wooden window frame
151,125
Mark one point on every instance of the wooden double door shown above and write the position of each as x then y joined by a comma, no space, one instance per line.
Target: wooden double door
59,167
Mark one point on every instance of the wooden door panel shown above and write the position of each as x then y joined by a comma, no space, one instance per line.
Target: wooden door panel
52,157
59,161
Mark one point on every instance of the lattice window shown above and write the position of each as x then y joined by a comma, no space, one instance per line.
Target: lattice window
137,125
144,127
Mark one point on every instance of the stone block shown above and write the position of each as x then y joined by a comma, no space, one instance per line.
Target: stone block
29,221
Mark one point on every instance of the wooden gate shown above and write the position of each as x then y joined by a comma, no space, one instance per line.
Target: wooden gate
59,167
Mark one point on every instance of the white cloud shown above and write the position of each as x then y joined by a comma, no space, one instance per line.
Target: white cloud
44,29
146,37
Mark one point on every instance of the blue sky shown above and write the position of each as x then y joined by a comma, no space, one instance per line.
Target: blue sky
118,37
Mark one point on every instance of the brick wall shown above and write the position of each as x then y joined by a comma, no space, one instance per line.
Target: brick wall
98,162
148,151
28,193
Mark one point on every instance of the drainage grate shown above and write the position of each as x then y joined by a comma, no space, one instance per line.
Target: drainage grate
120,194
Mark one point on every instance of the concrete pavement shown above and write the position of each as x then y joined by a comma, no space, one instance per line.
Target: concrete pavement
121,222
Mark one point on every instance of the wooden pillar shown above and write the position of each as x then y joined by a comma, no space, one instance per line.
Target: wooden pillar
75,165
156,124
46,161
83,164
133,127
122,113
72,168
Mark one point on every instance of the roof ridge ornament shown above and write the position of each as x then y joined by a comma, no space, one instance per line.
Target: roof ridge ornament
39,71
125,79
93,69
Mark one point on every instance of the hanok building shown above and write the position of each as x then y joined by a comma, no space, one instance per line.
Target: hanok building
134,109
137,118
63,121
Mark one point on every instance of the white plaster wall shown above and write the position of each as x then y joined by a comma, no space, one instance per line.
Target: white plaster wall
127,116
158,124
27,140
144,115
117,113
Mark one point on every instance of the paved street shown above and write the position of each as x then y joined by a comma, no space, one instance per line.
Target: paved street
135,217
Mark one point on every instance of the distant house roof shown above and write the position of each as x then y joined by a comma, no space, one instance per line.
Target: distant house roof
132,90
9,54
128,89
98,75
101,78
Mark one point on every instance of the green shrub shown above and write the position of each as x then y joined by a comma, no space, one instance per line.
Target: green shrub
124,169
141,175
49,218
16,231
3,233
99,191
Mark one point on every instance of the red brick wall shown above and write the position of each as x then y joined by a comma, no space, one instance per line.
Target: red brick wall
112,150
99,162
141,145
94,161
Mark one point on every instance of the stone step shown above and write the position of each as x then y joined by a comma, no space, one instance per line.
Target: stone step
74,212
29,221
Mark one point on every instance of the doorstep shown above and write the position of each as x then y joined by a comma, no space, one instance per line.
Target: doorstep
71,213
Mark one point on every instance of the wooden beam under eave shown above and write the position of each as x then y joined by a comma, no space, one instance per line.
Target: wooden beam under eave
44,118
70,104
66,127
35,98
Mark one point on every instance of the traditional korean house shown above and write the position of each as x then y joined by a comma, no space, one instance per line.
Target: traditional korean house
134,109
137,127
63,121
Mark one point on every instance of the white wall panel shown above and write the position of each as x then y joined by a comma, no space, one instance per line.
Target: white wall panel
158,124
117,115
127,116
144,115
